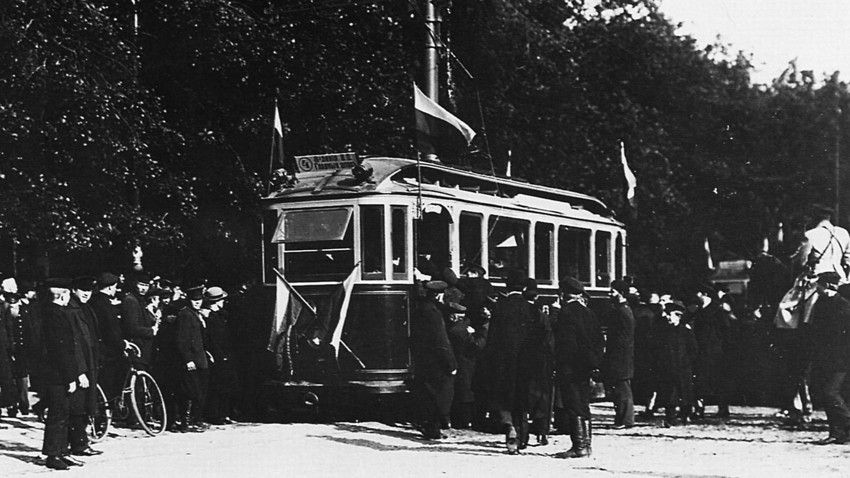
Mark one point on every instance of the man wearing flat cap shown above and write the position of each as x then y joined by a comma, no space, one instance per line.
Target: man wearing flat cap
137,325
830,333
827,247
191,327
579,344
107,309
434,364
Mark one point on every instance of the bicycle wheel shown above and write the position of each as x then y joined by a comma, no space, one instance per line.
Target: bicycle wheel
99,423
148,404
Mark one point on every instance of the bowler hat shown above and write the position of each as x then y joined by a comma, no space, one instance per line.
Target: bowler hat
457,308
475,268
571,285
620,286
674,305
215,293
141,277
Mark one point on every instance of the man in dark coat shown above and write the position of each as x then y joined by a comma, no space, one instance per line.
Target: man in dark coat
168,364
191,327
479,297
618,363
223,380
434,364
830,331
712,330
137,325
538,375
504,359
579,344
83,317
64,373
675,351
113,364
467,343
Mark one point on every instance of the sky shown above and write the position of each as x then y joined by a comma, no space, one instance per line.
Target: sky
774,32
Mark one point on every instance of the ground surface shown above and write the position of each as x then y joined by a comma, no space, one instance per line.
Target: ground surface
752,443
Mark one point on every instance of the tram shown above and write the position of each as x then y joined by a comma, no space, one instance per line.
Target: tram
372,221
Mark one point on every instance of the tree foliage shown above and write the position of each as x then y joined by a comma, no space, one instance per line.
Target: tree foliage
112,134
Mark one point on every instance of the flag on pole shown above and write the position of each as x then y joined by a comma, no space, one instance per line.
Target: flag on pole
289,307
339,301
631,180
709,261
276,153
438,131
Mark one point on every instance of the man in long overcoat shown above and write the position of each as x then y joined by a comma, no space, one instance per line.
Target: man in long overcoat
223,379
106,308
579,344
619,357
190,343
675,349
434,364
504,359
712,330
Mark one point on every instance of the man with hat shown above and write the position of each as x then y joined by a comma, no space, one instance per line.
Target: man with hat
137,325
83,318
64,370
465,341
830,332
579,345
675,349
477,291
826,247
434,362
505,358
106,308
223,380
713,333
191,327
618,363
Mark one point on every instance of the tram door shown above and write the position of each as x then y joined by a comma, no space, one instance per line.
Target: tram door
433,253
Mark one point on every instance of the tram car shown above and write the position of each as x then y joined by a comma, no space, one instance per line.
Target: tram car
345,240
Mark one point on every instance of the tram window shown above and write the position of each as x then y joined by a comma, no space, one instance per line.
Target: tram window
603,258
399,242
470,240
508,246
372,241
574,253
618,257
319,244
432,232
543,239
270,249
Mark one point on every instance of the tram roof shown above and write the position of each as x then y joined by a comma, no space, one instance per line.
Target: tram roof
400,175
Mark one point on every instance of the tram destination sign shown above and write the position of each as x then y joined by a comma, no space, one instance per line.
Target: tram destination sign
325,162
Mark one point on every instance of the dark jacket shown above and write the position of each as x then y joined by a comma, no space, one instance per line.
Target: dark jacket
137,324
223,369
619,361
63,342
190,337
675,352
830,333
579,342
466,347
109,325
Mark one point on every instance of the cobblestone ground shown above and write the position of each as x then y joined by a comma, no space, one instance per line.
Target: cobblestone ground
752,443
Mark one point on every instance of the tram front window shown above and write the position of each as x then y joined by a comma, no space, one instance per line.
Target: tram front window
319,244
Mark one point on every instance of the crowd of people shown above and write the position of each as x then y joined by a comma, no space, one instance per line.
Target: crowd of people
515,364
68,337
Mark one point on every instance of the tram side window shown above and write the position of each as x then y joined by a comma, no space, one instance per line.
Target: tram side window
574,253
618,257
508,246
318,243
603,258
432,231
399,242
372,241
543,239
470,240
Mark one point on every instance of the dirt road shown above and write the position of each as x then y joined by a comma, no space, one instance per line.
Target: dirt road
751,444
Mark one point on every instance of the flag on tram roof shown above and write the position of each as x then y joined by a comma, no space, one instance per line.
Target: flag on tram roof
339,301
276,158
438,131
631,180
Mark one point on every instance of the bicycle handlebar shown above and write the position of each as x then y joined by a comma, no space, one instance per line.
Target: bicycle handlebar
133,348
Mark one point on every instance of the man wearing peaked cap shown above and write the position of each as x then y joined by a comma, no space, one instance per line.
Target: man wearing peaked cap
106,279
195,366
578,355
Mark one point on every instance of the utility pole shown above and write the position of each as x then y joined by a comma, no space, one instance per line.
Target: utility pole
837,148
432,57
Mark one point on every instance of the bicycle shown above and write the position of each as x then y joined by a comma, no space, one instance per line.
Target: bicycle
144,397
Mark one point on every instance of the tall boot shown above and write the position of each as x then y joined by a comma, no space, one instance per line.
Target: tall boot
580,437
511,440
588,435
